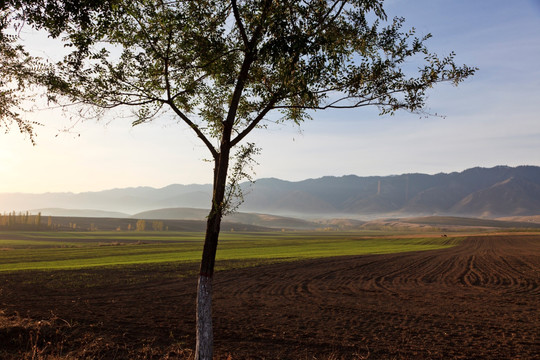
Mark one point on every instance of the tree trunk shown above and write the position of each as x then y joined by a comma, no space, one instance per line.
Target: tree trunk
205,340
205,336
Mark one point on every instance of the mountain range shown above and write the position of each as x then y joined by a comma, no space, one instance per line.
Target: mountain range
479,192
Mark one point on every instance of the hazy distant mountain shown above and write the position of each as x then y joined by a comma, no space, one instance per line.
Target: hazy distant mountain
498,191
519,196
488,192
127,200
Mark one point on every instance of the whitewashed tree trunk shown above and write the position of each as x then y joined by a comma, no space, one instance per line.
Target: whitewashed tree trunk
205,340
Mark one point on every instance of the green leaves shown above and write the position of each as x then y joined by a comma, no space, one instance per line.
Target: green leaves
19,74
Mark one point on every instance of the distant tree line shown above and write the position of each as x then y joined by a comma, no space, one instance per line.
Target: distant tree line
25,221
20,221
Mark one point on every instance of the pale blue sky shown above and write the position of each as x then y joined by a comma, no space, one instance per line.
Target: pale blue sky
491,119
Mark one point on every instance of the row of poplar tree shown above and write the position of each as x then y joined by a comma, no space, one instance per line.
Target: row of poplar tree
23,221
27,221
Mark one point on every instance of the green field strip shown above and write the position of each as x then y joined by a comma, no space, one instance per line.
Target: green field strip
80,263
182,247
96,236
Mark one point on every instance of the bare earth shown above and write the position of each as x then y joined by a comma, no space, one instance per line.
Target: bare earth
479,300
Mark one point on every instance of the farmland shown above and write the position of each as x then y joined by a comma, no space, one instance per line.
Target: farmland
278,295
73,250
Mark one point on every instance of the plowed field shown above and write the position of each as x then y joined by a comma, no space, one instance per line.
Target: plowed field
478,300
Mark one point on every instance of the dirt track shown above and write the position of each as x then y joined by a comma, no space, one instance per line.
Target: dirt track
479,300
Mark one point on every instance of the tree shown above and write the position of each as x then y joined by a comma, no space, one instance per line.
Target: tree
37,220
224,66
157,225
141,225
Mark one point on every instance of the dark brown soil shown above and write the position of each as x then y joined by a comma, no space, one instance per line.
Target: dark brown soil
479,300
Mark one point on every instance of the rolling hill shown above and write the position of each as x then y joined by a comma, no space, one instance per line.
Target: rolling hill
251,219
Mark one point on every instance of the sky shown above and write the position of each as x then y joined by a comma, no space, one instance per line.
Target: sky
491,119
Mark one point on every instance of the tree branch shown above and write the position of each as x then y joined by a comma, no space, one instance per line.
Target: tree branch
255,121
239,23
153,46
214,59
258,30
166,70
194,127
320,26
113,104
173,97
334,104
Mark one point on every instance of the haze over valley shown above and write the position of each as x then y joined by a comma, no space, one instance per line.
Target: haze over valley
478,192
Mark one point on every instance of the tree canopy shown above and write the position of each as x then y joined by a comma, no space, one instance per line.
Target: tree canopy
234,62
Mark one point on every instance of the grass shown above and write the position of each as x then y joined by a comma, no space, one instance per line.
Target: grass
76,250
